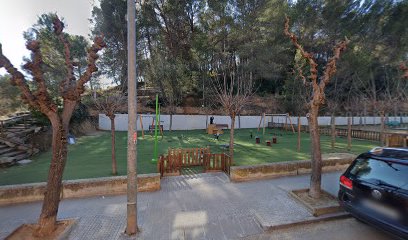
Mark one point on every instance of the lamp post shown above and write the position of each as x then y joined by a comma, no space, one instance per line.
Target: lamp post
131,226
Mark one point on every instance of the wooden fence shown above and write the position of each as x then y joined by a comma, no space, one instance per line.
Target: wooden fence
341,132
359,134
217,162
187,157
175,159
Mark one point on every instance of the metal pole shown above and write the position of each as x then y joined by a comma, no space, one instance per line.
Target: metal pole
131,227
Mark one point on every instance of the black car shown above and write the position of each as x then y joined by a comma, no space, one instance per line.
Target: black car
374,189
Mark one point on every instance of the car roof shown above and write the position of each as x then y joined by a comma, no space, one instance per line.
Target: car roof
399,155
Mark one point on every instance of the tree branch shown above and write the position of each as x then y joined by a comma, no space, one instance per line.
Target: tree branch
331,64
300,73
109,104
92,57
74,94
66,84
306,55
318,97
18,79
34,66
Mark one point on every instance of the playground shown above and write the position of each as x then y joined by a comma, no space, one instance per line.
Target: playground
90,157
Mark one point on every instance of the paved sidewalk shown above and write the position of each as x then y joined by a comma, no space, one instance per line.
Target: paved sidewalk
200,206
334,230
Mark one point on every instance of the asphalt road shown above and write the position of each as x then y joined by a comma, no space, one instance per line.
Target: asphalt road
345,229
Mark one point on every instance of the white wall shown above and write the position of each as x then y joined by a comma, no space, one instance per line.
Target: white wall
189,122
180,122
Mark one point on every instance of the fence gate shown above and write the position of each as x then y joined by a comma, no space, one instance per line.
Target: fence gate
171,164
215,162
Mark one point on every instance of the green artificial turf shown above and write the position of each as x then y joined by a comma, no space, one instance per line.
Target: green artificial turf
90,157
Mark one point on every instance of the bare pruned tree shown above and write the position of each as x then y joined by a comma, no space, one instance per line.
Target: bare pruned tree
317,99
38,97
109,103
233,90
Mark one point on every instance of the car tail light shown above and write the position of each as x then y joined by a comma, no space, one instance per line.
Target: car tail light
346,182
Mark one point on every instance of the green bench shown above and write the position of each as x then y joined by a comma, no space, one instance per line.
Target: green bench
393,124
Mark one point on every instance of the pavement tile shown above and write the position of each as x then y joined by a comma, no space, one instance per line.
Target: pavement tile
231,227
250,226
201,206
213,231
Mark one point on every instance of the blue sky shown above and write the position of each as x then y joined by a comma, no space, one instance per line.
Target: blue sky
18,15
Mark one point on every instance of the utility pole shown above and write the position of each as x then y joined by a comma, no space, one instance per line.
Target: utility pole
131,227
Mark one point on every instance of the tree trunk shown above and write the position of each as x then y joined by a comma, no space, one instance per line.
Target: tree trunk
360,122
315,180
333,131
382,130
239,121
231,144
49,211
171,120
373,87
298,138
263,123
114,168
349,119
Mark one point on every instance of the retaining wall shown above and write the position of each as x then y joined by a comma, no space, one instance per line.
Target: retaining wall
78,188
331,162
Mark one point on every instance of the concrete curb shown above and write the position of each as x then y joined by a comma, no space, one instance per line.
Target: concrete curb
290,168
22,193
323,218
317,210
65,234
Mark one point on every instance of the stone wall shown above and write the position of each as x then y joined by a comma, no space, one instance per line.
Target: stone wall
331,162
78,188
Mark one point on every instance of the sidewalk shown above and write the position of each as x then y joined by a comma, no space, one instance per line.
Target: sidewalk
340,229
201,206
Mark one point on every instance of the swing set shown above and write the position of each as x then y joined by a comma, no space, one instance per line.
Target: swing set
152,126
286,124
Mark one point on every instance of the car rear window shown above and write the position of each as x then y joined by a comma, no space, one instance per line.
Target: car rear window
391,173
